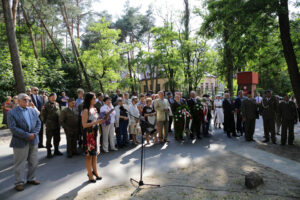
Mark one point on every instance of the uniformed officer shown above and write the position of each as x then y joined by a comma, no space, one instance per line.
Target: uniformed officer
288,115
268,111
249,114
50,115
68,119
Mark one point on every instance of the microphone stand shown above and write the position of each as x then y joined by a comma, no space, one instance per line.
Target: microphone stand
140,182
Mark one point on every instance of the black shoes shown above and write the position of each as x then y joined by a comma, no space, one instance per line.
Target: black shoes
266,141
58,153
41,146
49,154
97,177
93,180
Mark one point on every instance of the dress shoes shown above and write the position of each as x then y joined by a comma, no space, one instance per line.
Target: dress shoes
34,182
41,146
58,153
265,141
19,187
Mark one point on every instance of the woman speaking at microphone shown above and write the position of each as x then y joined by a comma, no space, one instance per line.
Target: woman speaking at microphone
90,122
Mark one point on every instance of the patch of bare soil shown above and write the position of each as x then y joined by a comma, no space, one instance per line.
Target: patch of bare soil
291,152
218,177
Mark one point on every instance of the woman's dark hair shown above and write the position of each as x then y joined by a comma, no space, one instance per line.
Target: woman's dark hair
87,100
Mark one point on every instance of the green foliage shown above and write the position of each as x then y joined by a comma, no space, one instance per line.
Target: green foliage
102,61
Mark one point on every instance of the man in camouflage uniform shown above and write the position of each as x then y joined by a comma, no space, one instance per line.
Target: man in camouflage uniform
50,116
69,121
249,114
268,109
288,115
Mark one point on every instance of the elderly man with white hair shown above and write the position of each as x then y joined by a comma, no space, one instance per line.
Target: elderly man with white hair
25,125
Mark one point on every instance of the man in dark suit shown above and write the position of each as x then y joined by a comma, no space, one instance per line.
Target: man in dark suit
171,101
25,125
196,123
239,119
268,109
228,107
38,102
288,117
249,114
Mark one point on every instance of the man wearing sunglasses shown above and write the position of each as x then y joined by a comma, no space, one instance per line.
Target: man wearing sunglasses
25,125
39,102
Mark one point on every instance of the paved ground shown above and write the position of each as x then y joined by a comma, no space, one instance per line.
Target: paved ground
66,178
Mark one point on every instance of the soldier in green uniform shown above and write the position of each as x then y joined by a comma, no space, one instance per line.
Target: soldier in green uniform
50,115
68,119
249,115
268,109
288,115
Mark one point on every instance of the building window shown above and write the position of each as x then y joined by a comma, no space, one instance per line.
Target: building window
206,86
145,88
212,86
201,86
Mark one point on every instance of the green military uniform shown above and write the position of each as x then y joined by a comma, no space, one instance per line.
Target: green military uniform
268,109
288,116
50,116
69,121
249,114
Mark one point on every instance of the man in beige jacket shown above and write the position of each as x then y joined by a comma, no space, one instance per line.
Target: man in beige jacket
161,106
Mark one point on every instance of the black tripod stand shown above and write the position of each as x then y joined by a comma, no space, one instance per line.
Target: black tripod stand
141,182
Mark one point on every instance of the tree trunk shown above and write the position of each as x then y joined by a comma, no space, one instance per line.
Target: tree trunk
48,33
78,21
228,61
13,47
130,72
146,81
288,50
156,79
187,37
30,31
76,52
14,11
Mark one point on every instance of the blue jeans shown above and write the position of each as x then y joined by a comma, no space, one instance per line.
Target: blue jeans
122,134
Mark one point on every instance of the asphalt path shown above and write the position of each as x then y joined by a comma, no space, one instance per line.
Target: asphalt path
64,177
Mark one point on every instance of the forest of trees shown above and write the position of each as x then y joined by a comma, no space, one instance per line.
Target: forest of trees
62,45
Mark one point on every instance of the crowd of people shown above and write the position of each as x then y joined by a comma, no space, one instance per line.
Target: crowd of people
92,123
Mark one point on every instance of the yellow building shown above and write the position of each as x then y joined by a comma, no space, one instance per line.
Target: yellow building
160,85
209,85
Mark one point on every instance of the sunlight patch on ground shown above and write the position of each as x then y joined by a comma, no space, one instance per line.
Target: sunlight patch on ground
216,147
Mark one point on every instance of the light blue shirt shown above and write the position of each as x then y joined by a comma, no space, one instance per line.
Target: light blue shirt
26,116
78,102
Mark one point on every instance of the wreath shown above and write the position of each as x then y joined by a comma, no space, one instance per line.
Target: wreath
182,118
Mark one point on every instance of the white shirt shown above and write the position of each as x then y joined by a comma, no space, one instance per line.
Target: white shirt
112,115
133,110
258,99
117,110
